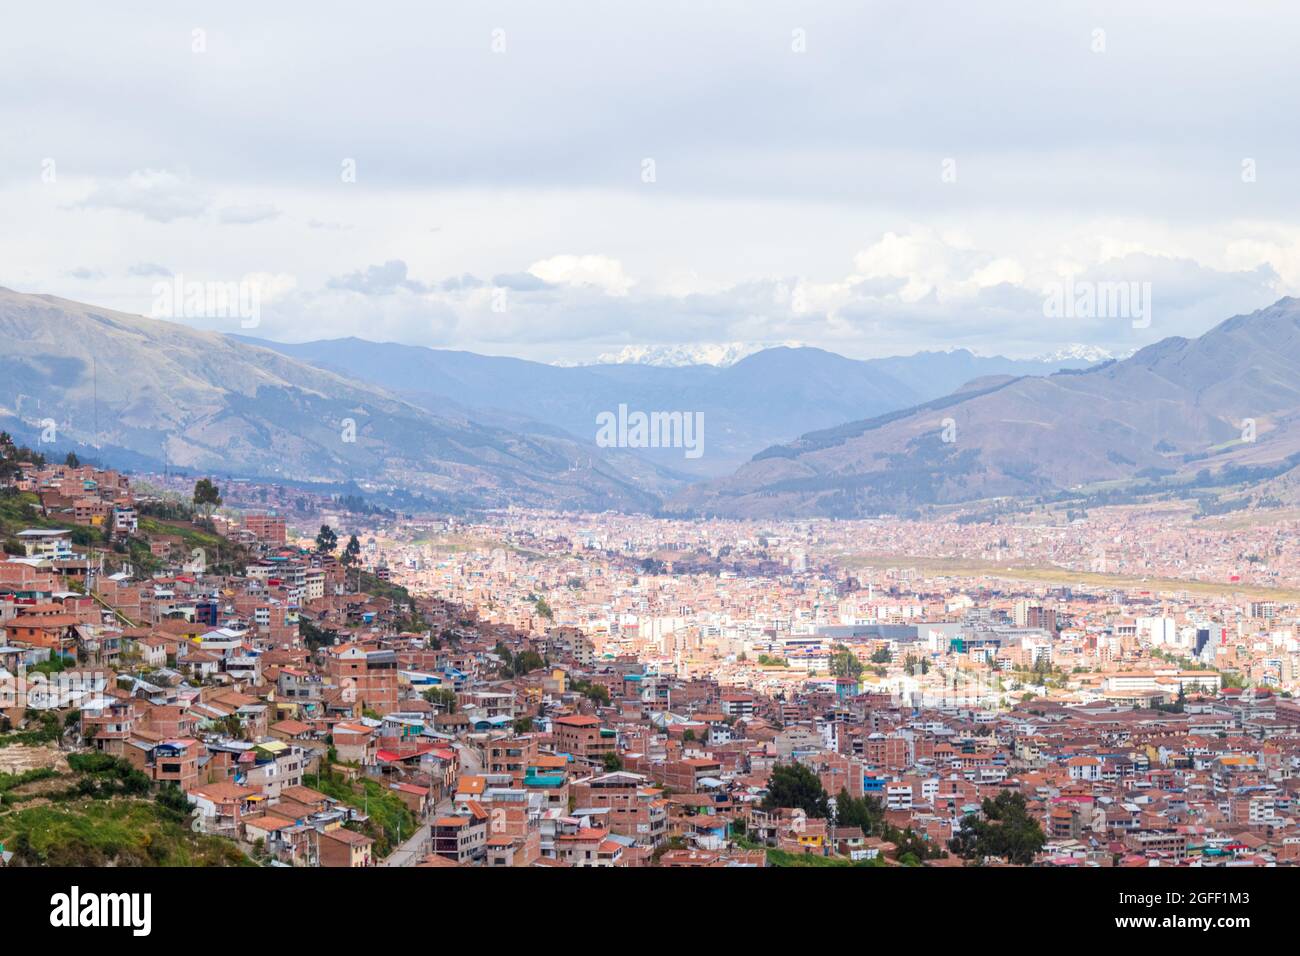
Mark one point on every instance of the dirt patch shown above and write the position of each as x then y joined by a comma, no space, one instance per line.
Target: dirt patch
38,788
17,759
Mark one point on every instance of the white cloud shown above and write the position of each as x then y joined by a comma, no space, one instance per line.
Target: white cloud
750,232
977,299
383,279
247,215
600,271
272,287
997,272
153,193
928,262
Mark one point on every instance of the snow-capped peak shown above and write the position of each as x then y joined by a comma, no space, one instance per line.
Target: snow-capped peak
721,354
1078,352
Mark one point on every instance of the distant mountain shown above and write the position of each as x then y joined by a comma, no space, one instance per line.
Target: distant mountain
934,374
455,428
1078,353
764,398
1228,401
675,356
136,391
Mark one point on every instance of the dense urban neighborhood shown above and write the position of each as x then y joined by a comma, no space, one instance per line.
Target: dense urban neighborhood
443,444
188,682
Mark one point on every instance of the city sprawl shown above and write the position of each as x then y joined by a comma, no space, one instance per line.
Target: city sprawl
308,684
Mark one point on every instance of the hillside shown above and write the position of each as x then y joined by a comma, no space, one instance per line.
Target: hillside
764,398
1176,407
136,392
89,809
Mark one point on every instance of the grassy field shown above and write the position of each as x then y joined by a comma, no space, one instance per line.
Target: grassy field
388,814
218,551
194,537
90,809
21,511
1052,575
784,858
117,832
372,584
458,543
473,544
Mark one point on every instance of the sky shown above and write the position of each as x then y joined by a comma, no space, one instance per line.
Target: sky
561,181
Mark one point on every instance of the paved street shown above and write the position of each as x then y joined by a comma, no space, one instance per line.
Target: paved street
416,848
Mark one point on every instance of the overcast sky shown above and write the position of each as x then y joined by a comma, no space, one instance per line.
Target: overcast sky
559,180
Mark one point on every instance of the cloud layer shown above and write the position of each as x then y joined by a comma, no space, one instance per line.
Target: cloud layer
560,181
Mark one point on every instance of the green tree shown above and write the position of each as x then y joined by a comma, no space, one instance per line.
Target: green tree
527,661
72,461
865,812
9,469
207,497
613,762
443,697
543,609
1004,829
173,799
352,553
844,663
596,692
794,785
313,635
351,557
912,848
326,540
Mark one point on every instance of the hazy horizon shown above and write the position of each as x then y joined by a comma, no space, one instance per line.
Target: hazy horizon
561,184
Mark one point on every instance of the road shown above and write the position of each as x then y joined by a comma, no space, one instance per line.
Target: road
415,849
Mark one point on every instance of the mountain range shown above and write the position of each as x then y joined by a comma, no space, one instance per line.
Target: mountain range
459,430
1226,403
760,400
141,393
450,429
673,356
